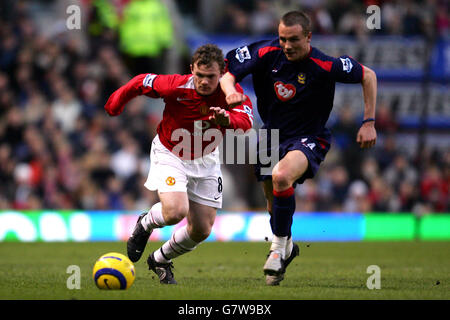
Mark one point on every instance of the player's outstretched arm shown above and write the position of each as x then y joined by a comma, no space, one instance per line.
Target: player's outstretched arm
367,134
232,96
133,88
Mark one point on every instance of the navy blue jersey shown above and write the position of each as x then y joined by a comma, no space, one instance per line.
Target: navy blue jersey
294,97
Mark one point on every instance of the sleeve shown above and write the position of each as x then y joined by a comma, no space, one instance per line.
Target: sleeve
140,84
162,85
241,116
347,70
149,84
243,61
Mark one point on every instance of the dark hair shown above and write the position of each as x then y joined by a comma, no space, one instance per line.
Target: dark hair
297,17
207,54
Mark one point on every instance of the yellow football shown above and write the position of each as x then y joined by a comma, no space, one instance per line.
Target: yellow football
113,271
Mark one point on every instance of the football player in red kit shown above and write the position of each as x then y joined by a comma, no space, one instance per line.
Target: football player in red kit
185,173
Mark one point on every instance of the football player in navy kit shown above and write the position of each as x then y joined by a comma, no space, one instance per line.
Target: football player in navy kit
294,84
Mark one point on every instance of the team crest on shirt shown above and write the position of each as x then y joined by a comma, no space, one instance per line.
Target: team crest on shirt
301,78
204,109
284,91
170,181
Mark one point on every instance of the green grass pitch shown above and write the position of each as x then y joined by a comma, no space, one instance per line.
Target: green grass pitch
233,271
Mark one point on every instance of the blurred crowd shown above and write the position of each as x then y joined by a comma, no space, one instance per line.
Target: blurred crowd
387,178
60,150
345,17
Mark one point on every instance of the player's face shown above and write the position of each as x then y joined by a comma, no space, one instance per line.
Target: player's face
294,42
206,78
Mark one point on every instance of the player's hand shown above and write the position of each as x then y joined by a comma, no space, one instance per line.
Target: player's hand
234,99
220,116
112,109
367,135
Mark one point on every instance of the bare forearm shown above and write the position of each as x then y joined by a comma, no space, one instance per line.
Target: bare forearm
367,135
227,83
369,85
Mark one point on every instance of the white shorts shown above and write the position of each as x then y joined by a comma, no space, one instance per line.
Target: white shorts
200,178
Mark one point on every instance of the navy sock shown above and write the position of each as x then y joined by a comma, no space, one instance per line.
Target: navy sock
283,208
272,223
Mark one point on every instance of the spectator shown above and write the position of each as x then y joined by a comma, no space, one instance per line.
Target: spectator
263,19
400,170
412,24
145,33
338,9
391,10
408,196
66,108
353,23
339,185
235,21
435,189
322,20
386,121
382,196
358,199
442,20
344,131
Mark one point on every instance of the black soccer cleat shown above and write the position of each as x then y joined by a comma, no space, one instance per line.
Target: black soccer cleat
138,240
295,252
163,270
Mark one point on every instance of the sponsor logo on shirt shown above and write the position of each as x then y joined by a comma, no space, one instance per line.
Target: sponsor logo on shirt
346,65
242,54
284,91
182,99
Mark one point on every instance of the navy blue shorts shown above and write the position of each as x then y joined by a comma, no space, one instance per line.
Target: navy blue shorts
314,147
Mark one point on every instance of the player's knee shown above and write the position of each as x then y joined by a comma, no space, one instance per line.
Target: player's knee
280,180
174,213
200,233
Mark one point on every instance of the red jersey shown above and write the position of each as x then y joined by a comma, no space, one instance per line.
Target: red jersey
185,110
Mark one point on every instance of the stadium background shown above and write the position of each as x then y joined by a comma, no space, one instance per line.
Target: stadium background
70,172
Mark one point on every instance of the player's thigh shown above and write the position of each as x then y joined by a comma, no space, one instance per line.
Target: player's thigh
207,188
200,220
167,172
291,167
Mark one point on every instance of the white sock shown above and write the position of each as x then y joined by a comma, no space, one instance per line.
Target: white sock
289,246
154,218
279,245
180,243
